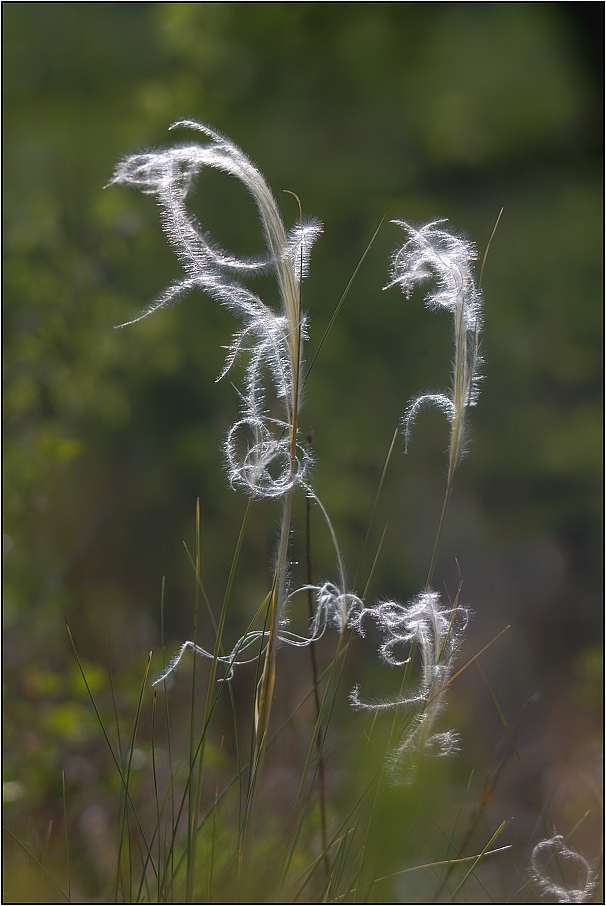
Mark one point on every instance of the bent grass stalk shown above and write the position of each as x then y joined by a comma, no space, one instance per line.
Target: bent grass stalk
263,703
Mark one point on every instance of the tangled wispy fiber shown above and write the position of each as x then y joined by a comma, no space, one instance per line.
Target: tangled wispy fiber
423,625
560,872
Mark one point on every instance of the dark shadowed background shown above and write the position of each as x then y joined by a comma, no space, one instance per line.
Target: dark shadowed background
369,112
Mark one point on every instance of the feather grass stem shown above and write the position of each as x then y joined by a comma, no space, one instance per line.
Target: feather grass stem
127,798
342,300
194,803
374,507
434,556
66,834
314,674
169,860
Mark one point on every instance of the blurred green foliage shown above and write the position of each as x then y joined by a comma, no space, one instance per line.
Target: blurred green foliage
367,111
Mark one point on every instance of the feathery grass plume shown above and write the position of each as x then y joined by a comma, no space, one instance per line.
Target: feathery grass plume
434,252
436,632
431,251
270,463
576,880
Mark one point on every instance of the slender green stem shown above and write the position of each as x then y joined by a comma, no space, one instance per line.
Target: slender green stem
374,506
314,671
494,229
266,689
434,556
210,698
125,823
193,800
479,857
342,300
65,828
340,650
156,795
169,861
